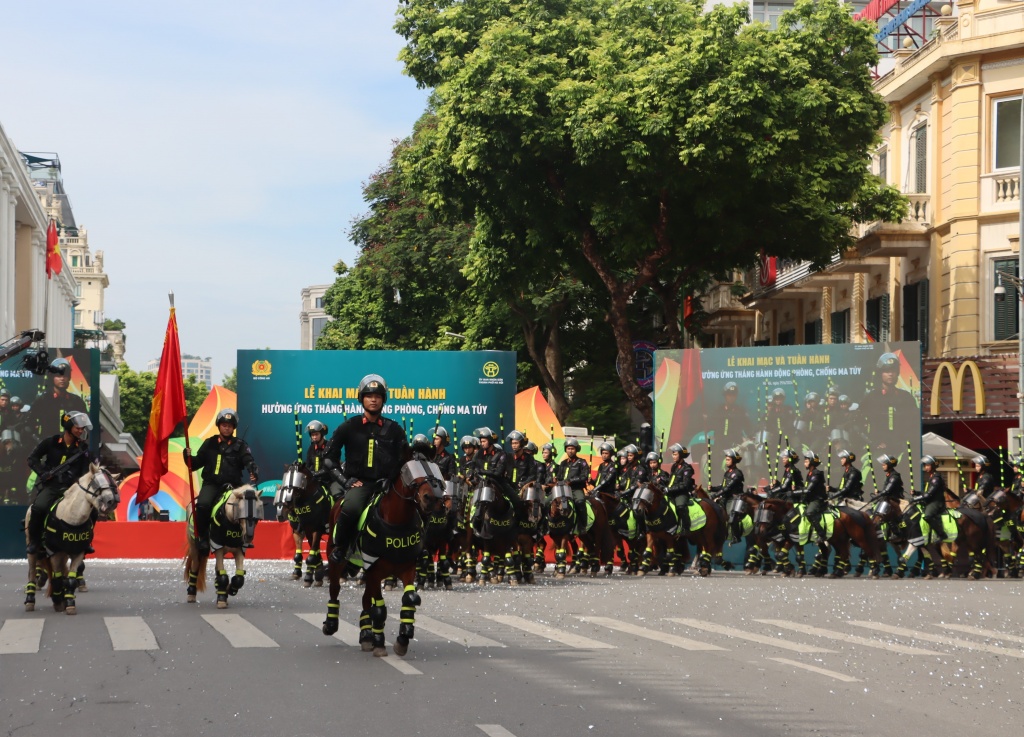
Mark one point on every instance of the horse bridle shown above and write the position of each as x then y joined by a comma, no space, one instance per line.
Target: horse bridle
95,494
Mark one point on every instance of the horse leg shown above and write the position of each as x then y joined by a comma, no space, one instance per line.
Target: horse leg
841,565
30,586
378,613
56,590
297,560
540,555
407,626
801,562
238,580
71,584
221,581
318,568
80,569
512,568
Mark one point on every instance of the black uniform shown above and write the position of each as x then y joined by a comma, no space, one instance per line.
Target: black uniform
779,421
576,473
890,416
315,456
222,461
933,501
49,409
520,470
629,479
986,484
893,488
732,486
446,463
852,484
607,477
815,495
51,453
731,425
680,486
790,485
374,453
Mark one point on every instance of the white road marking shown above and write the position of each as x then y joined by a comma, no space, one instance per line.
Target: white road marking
349,635
494,730
238,631
549,633
454,634
815,669
797,647
940,639
130,633
983,632
843,637
650,634
21,636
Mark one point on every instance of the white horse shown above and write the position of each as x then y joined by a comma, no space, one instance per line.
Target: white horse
67,536
232,528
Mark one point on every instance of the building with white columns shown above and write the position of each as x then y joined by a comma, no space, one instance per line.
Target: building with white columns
23,287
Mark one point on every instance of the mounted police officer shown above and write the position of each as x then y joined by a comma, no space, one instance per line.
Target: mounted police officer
316,453
575,471
445,461
549,465
892,490
653,471
681,483
607,471
986,482
631,474
58,462
375,449
852,484
422,449
222,458
493,464
732,486
792,482
521,468
815,494
933,498
469,464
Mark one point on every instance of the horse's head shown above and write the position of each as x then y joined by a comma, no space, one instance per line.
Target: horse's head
101,489
296,482
561,499
647,499
454,493
770,513
421,483
245,509
533,500
884,510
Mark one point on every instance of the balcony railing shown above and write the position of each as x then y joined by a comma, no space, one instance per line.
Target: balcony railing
918,210
1000,191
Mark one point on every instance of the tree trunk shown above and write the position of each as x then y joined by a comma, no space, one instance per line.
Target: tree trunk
553,381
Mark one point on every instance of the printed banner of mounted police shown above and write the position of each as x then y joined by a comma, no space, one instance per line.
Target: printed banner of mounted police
468,389
865,398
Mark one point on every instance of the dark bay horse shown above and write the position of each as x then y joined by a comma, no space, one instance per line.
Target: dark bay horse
597,542
497,538
389,543
968,529
307,506
1005,506
664,537
627,532
441,532
67,534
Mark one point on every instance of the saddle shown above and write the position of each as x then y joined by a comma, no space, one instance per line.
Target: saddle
803,531
949,530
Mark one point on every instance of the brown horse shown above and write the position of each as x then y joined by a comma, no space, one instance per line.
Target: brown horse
597,542
664,536
232,528
389,543
627,533
974,535
1005,506
307,507
67,534
441,535
496,539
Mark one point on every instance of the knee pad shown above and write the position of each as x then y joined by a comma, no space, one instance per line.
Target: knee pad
237,581
222,581
411,598
379,612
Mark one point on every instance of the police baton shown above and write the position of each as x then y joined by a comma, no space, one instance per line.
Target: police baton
298,438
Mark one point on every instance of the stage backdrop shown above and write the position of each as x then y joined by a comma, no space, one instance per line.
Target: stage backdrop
819,397
45,399
467,388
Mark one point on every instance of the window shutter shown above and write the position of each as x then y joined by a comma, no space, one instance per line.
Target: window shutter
921,159
841,326
883,165
883,319
812,332
909,312
922,315
1005,313
872,318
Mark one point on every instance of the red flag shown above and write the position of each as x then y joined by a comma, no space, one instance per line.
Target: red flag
54,263
167,412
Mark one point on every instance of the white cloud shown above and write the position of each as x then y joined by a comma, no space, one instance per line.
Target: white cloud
216,149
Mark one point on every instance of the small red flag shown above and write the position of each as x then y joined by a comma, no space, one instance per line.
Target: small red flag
54,263
167,412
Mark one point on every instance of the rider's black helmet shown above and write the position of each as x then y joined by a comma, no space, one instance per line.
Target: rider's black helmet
373,384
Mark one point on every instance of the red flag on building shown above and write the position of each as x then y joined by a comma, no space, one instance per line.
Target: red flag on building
167,412
54,262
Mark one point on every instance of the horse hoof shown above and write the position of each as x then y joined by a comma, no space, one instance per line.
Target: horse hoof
296,576
82,588
71,610
380,652
191,598
641,573
222,605
513,582
448,587
366,646
873,576
559,576
401,648
306,584
318,584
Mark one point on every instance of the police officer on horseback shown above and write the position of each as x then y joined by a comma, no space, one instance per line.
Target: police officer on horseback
493,465
607,470
375,449
792,482
422,449
681,484
732,486
445,461
58,461
815,495
892,491
222,458
852,484
986,482
316,453
575,471
933,498
469,464
521,468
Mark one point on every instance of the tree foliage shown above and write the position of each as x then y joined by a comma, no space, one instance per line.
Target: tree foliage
230,380
136,390
658,144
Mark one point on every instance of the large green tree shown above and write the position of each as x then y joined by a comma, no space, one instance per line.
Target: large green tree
660,144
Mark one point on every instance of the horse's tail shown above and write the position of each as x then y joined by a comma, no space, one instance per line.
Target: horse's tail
192,561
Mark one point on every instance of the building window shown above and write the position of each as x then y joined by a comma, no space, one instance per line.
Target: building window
74,261
919,137
841,326
318,327
78,290
787,337
812,332
1006,314
876,315
915,313
1007,133
883,164
319,303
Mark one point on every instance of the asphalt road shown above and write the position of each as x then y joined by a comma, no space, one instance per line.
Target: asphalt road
728,655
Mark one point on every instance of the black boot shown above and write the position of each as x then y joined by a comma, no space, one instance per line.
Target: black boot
35,532
581,517
684,518
338,552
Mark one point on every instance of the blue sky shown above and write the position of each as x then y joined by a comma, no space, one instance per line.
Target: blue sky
213,149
